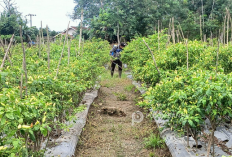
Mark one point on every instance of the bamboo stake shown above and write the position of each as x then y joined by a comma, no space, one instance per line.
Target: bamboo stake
68,50
203,14
8,57
173,31
24,60
231,29
48,49
228,20
177,34
224,31
39,43
76,50
42,33
211,38
62,51
200,28
152,56
158,36
187,55
7,50
81,25
181,31
217,58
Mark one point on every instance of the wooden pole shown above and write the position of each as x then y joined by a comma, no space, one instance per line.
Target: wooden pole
224,31
62,52
217,57
68,50
173,31
177,34
42,33
152,56
48,49
7,50
39,43
203,14
187,55
81,25
8,57
158,36
24,60
181,31
200,28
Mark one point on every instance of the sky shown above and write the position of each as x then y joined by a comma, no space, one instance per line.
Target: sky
51,12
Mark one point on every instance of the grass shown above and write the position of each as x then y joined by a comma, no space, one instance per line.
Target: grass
120,96
154,141
129,88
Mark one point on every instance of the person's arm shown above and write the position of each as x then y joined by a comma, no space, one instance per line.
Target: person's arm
113,49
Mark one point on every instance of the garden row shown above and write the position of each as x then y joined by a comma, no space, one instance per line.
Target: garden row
47,100
191,84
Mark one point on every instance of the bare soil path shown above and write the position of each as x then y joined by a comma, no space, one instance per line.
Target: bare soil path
109,131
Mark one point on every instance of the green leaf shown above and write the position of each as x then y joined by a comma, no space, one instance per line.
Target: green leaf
32,136
20,121
190,122
10,115
44,131
3,121
15,144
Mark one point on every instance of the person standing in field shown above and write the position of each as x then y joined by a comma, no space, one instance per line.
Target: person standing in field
115,58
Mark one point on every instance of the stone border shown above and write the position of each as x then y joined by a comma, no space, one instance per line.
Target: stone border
178,145
67,142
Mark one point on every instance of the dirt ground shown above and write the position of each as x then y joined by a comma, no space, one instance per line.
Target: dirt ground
109,131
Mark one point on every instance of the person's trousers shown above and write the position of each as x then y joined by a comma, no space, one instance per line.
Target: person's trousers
116,62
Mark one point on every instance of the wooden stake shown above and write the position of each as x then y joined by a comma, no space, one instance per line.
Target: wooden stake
181,31
177,34
217,58
228,20
39,44
8,57
48,49
158,35
24,60
224,31
200,28
6,53
187,54
62,51
68,50
173,31
81,25
152,56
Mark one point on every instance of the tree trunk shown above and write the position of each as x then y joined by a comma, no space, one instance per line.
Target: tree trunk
217,58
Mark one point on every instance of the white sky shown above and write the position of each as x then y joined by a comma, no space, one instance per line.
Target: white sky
51,12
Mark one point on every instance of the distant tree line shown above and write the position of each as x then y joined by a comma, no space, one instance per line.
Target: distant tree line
197,18
11,19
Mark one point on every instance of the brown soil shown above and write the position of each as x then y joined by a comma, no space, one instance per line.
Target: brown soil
109,131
